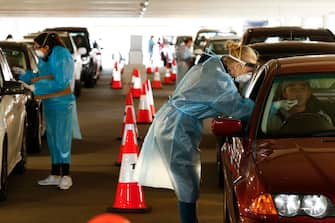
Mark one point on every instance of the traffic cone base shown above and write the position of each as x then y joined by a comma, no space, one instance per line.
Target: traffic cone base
144,116
129,193
156,83
167,77
136,92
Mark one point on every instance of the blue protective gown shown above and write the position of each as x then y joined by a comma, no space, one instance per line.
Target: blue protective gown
170,155
58,111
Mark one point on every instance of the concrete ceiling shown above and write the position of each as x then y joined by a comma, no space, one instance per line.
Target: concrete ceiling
165,8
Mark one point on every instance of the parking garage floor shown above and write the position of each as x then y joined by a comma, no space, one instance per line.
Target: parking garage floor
95,174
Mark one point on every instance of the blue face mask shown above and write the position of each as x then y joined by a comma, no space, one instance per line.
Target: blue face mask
243,78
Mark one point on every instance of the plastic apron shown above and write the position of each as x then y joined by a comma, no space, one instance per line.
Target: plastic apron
170,157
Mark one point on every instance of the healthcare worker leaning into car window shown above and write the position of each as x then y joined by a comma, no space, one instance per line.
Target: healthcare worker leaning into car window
170,155
52,85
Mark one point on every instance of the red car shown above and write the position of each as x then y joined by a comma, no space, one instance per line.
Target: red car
279,166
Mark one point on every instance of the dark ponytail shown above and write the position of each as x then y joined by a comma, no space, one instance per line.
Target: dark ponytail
51,39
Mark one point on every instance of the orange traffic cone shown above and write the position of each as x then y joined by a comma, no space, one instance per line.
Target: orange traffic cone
144,112
156,83
108,218
129,104
129,193
136,82
149,70
167,77
174,70
129,126
116,78
150,98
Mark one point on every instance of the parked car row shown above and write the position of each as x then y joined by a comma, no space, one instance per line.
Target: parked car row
277,166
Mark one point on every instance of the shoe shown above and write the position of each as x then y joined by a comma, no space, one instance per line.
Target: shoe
50,180
65,183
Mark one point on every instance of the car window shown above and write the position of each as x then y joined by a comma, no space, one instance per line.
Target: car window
15,58
218,46
81,40
300,105
67,41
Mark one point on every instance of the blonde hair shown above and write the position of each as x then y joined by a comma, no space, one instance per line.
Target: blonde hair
242,52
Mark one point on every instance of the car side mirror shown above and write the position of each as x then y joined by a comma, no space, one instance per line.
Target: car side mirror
82,50
12,87
227,127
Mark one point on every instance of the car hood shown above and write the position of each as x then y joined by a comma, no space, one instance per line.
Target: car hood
299,165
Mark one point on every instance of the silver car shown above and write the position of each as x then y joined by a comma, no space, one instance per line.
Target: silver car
13,124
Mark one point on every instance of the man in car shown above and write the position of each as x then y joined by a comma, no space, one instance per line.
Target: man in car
296,99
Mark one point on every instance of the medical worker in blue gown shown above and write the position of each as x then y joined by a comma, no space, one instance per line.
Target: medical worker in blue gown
52,85
170,155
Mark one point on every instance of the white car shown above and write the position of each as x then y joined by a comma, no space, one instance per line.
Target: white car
13,123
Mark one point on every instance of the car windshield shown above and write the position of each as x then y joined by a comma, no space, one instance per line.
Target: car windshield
300,105
81,40
218,46
67,41
15,58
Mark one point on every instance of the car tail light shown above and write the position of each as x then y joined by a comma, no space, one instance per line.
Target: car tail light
263,205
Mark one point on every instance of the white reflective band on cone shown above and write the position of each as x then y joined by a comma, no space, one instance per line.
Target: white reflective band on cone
127,168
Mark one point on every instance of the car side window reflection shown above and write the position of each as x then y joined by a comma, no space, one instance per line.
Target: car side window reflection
304,100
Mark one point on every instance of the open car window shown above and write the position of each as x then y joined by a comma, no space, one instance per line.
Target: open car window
15,58
300,105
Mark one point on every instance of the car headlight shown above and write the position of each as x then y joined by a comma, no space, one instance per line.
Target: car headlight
315,205
287,205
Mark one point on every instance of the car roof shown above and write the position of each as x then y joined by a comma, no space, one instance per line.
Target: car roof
267,51
11,43
224,37
320,34
73,29
303,64
33,35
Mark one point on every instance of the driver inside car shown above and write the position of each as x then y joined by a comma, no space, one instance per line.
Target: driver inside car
295,98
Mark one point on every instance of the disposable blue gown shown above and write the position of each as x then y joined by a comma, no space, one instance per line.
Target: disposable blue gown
170,155
58,110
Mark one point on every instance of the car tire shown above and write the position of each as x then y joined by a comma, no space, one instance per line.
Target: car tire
4,172
225,213
20,167
90,82
77,88
34,138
